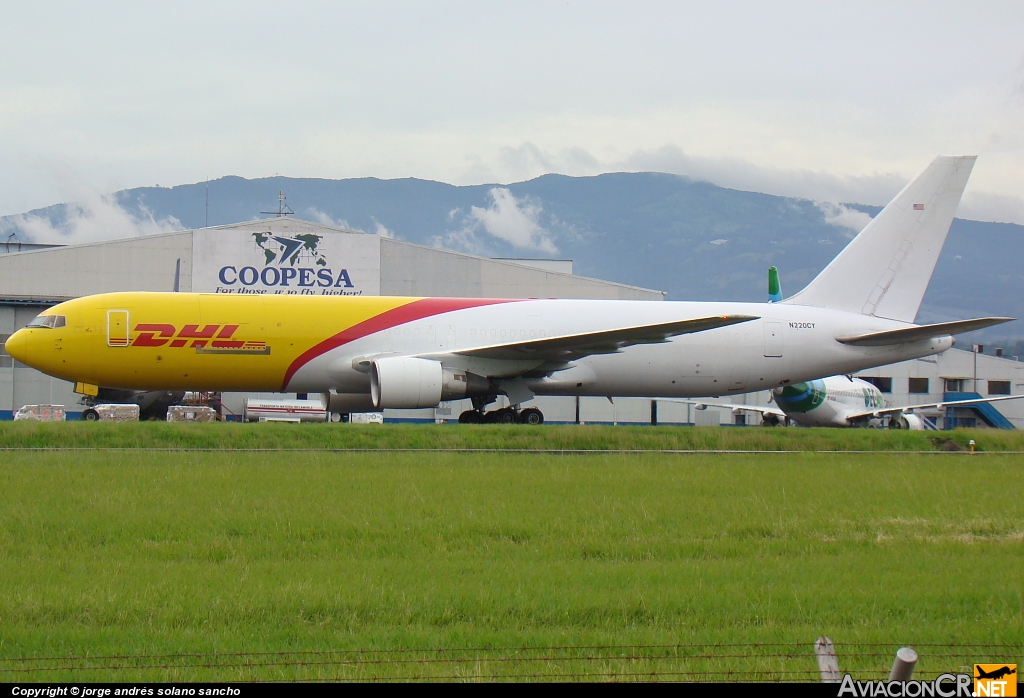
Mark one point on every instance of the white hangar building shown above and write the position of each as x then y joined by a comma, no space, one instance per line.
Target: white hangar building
233,259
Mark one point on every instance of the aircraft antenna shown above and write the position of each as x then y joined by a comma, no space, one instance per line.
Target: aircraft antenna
282,207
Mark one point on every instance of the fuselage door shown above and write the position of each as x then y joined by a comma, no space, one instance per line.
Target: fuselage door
773,339
117,328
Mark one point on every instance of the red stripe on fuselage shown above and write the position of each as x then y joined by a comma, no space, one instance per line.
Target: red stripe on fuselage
416,310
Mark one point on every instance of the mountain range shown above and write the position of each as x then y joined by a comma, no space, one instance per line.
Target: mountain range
693,239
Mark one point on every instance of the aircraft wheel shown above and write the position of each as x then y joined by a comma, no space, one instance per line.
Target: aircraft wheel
90,416
531,416
470,417
505,416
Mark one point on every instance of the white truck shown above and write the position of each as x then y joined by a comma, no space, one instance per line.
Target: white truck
254,410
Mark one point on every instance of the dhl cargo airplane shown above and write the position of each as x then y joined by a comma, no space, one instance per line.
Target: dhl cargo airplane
387,352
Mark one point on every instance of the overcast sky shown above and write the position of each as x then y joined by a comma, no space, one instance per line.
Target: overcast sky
825,100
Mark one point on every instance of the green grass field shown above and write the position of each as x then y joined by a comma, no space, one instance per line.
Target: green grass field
142,554
491,437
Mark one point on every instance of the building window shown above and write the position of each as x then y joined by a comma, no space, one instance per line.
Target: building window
919,386
6,361
883,383
999,387
955,385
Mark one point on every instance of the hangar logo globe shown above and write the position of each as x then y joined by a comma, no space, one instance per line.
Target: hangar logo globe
290,264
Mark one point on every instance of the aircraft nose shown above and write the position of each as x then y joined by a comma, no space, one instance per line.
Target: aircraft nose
17,345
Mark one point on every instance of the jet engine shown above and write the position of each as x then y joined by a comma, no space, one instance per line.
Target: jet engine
405,382
913,422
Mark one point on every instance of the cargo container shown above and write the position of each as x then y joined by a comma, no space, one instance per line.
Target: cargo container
111,413
40,413
191,413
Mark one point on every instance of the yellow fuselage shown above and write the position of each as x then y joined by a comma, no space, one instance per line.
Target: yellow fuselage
183,341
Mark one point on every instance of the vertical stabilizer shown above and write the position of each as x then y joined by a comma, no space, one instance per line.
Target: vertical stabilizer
885,270
774,287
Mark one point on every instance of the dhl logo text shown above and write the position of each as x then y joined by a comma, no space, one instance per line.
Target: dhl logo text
192,336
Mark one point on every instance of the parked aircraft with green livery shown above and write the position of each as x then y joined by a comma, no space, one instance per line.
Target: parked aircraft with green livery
843,401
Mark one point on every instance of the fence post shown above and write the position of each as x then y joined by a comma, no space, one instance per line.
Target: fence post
903,667
828,663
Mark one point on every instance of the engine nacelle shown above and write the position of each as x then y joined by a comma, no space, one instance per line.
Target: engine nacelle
913,422
405,382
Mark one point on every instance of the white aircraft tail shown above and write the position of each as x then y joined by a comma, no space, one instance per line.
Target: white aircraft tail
885,270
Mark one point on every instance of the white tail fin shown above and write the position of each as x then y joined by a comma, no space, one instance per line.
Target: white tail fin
885,270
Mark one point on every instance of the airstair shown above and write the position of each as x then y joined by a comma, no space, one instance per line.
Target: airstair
986,411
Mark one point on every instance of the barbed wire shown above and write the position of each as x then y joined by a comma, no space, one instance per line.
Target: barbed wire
677,646
501,450
372,664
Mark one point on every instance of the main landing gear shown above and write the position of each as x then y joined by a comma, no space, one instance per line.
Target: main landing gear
507,415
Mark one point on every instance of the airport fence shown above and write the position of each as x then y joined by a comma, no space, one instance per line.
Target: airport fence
729,662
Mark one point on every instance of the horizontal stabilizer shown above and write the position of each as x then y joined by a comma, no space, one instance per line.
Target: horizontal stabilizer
921,332
575,346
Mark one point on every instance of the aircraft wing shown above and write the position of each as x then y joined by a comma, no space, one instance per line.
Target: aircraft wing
576,346
930,406
763,410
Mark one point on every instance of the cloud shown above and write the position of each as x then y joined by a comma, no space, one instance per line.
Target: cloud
326,219
984,206
840,215
528,161
516,221
94,217
734,173
380,229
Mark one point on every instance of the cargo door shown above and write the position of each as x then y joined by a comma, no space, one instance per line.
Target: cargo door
117,328
773,339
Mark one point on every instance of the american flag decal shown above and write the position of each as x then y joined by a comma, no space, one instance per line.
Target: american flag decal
918,207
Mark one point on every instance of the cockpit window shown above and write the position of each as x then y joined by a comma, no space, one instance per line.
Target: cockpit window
49,321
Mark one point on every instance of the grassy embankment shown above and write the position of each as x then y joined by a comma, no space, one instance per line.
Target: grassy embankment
136,553
495,437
